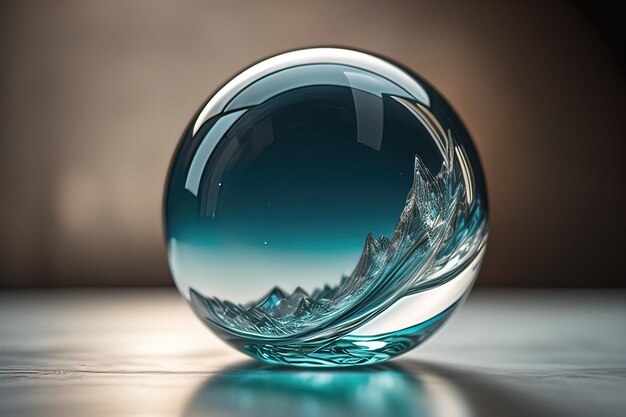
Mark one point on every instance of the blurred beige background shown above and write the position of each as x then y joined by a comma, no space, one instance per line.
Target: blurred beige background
94,96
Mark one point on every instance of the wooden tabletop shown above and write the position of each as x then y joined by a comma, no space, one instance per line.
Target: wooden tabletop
143,353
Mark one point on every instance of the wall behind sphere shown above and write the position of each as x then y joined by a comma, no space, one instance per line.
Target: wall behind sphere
95,96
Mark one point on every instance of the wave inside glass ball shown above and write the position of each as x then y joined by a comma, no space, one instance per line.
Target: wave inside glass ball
280,184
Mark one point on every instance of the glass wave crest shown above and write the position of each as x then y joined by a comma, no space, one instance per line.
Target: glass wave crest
440,232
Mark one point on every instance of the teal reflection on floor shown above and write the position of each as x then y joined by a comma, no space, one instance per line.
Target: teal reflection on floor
383,390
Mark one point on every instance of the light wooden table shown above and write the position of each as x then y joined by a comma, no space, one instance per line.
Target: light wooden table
143,353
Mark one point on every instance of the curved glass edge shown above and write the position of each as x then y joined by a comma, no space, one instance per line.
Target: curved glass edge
360,60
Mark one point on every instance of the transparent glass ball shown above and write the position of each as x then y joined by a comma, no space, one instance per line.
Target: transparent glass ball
325,207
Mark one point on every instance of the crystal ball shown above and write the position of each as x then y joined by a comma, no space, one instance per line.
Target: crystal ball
325,207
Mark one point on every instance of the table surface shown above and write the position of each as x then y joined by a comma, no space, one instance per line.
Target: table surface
143,353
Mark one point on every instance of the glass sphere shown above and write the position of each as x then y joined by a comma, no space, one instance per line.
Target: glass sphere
325,207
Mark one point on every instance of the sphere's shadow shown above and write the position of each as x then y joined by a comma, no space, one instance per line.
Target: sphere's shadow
404,388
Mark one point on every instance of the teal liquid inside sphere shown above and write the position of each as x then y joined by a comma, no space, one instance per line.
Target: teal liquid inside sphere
325,207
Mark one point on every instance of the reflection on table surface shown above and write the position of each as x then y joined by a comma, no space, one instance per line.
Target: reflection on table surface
142,353
407,388
384,390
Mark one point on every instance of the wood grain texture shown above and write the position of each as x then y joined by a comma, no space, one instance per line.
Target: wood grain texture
142,353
